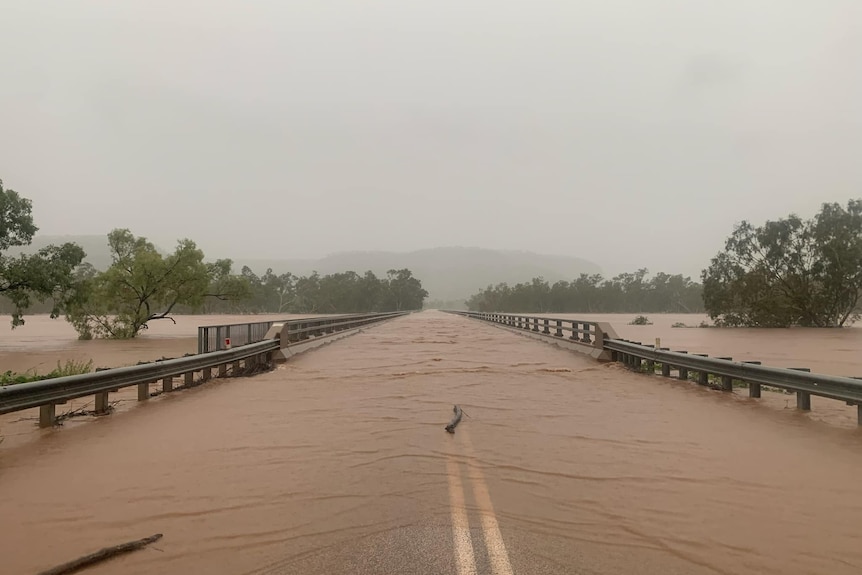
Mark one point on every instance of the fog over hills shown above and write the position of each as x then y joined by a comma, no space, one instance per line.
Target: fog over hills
446,272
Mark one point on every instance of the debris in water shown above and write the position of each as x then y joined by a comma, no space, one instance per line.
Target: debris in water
101,555
455,420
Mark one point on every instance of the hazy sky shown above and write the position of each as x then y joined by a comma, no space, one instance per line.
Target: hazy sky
633,133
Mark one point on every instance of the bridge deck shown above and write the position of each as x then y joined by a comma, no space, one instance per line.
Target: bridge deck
337,462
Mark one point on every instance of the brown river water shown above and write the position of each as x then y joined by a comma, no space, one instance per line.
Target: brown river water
337,462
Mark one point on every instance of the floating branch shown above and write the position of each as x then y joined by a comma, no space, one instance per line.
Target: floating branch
455,420
101,555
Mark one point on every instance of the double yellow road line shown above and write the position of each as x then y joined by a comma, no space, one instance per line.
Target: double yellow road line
465,558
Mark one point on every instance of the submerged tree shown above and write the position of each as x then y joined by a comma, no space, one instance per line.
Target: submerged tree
789,271
142,286
47,274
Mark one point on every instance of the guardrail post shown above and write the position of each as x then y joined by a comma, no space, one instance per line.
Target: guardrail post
222,370
559,332
753,388
234,368
206,374
47,415
101,402
682,372
167,384
665,369
726,381
803,398
143,391
586,332
189,377
546,328
650,363
702,376
575,336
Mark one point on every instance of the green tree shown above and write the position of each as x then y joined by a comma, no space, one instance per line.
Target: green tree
789,271
47,274
629,292
402,291
142,286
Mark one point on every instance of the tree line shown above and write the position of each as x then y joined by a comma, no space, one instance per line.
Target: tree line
790,271
629,292
332,293
142,285
786,272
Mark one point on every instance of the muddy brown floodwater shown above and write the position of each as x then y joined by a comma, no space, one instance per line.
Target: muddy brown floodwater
337,462
42,342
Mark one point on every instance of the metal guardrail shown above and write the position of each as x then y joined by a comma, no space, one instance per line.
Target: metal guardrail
702,369
302,329
720,372
579,330
49,393
213,337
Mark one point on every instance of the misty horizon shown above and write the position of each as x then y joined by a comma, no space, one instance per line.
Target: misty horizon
630,134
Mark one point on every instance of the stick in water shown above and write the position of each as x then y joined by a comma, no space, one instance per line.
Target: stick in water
455,420
101,555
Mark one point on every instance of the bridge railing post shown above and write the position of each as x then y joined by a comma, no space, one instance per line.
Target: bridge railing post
803,398
545,327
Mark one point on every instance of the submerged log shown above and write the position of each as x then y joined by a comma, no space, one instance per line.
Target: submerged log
455,420
101,555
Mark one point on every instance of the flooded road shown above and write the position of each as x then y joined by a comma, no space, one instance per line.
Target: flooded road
42,342
837,351
337,462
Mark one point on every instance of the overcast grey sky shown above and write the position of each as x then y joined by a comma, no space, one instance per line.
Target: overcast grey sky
633,133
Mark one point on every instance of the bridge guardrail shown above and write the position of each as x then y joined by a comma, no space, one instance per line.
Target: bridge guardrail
47,394
697,367
587,331
212,337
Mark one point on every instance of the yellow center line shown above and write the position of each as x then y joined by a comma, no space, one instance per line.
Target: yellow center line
464,557
497,554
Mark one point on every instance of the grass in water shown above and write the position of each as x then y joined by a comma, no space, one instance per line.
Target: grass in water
70,367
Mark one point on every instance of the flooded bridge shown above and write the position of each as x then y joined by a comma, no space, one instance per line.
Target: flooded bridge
337,462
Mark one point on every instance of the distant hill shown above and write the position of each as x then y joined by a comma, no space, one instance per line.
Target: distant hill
448,273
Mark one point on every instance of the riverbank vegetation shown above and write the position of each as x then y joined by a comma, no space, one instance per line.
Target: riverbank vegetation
625,293
787,272
70,367
784,273
142,284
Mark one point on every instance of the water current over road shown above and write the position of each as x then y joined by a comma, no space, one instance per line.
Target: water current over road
337,462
